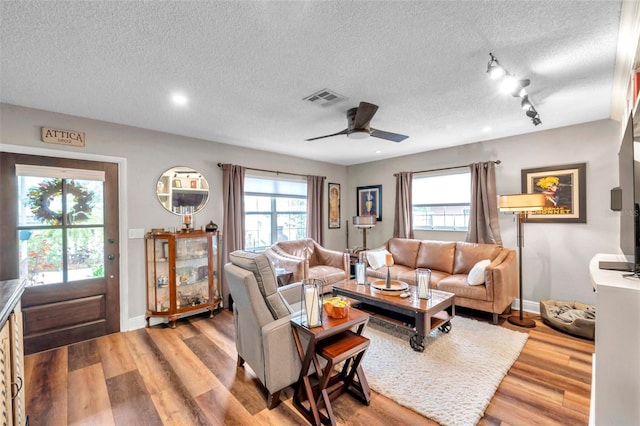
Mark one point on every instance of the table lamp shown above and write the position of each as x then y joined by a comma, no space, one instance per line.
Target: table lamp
364,222
522,204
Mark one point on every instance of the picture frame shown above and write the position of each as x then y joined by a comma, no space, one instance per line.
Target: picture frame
369,201
565,189
334,205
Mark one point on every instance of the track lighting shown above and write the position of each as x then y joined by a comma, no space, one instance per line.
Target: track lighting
509,84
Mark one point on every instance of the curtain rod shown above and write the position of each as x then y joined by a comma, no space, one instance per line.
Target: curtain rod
444,168
273,171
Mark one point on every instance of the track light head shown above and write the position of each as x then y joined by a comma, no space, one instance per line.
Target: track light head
519,90
494,69
534,116
531,112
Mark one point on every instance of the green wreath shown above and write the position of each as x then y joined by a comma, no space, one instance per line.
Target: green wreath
41,196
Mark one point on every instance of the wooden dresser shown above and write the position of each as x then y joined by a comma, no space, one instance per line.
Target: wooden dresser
12,392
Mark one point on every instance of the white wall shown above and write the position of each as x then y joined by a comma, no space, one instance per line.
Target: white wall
147,154
556,256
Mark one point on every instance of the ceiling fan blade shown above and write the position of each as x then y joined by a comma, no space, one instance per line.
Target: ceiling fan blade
394,137
344,132
364,114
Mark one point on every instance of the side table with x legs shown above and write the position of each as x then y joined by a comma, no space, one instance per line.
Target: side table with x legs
335,341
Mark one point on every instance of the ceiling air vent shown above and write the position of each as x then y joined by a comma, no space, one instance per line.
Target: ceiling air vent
324,97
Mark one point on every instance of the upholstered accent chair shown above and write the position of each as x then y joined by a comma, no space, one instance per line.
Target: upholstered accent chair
307,259
262,312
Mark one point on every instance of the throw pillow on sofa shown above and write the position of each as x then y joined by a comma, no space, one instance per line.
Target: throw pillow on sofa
377,258
476,274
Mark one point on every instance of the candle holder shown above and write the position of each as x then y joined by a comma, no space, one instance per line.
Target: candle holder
187,218
387,282
388,260
311,314
361,273
423,276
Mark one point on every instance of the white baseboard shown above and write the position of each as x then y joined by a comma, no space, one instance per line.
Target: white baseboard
529,306
139,322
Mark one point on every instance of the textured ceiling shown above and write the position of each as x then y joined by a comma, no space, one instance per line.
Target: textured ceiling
246,67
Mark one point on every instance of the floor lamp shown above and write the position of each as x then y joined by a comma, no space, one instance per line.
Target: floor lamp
522,204
364,222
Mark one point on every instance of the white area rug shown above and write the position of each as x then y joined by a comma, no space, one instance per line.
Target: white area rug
455,377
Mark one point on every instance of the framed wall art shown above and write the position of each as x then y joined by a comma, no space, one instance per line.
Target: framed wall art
370,201
334,205
565,191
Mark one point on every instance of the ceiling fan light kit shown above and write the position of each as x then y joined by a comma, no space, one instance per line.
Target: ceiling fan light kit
359,134
511,85
358,125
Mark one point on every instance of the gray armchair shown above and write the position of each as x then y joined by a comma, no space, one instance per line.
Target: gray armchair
262,312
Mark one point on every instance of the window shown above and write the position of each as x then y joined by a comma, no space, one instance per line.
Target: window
275,210
60,224
442,201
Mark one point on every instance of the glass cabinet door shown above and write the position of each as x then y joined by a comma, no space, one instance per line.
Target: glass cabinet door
158,276
192,272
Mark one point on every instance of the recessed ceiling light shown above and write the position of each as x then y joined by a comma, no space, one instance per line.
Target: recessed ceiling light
378,152
487,129
178,99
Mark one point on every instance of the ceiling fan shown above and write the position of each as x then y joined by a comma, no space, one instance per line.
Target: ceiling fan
358,125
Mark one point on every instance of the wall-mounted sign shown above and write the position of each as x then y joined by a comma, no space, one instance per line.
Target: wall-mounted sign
62,137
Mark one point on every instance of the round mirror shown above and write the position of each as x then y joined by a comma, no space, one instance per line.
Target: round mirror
181,188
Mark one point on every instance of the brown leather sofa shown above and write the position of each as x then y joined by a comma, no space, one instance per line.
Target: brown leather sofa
307,259
450,264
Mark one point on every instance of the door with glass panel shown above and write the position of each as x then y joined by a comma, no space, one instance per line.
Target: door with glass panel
60,233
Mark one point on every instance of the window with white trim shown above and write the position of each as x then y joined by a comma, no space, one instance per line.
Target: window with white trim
275,210
442,200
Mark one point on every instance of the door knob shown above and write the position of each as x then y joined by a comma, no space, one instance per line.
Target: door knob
110,257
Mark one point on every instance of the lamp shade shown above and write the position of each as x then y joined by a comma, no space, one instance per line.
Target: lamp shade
521,202
364,221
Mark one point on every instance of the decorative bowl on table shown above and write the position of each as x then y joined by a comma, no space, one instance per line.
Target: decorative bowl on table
336,307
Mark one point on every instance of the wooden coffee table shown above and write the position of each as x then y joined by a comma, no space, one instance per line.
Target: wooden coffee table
418,315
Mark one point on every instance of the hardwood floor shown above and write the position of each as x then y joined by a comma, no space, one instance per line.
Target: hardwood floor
188,376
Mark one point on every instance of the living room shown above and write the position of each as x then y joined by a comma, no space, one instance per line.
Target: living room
556,257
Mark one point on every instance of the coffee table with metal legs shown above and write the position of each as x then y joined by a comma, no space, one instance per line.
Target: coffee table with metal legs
418,315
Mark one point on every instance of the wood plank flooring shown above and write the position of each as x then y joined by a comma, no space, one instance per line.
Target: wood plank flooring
188,376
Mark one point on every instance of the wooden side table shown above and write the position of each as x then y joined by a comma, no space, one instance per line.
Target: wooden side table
335,341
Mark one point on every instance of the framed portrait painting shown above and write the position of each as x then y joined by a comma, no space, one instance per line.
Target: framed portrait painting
565,191
334,205
370,201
